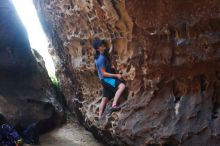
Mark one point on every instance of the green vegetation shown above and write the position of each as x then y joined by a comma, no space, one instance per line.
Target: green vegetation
55,81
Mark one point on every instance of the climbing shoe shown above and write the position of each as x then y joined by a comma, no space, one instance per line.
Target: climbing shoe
115,108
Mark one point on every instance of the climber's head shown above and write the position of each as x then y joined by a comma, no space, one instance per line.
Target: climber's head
99,45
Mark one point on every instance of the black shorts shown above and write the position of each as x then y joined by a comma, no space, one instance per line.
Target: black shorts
110,86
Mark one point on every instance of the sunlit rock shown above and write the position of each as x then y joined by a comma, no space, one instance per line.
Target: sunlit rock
26,92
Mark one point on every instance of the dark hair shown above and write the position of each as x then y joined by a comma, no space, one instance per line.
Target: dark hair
106,54
97,43
96,54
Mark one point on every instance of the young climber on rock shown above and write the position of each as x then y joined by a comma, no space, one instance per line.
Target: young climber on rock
112,83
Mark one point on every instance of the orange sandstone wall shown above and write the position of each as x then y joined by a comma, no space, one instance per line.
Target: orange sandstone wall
170,53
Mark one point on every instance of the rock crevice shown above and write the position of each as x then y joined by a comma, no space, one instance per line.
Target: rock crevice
26,93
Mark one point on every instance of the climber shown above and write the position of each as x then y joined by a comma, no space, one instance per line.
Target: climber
112,83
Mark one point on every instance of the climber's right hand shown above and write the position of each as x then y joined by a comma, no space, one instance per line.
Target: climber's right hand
119,76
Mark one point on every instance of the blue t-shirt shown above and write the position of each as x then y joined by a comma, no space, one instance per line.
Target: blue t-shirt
100,63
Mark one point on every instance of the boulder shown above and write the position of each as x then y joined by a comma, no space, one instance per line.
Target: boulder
27,94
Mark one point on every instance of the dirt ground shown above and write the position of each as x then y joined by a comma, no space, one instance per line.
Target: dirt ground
71,134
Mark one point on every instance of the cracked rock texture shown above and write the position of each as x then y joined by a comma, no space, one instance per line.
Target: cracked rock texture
170,52
26,92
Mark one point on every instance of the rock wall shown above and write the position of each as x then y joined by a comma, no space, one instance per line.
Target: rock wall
26,92
169,51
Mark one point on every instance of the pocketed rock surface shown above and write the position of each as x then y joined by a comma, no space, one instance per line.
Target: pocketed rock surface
169,51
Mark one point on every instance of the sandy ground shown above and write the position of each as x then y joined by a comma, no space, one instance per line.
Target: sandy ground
71,134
